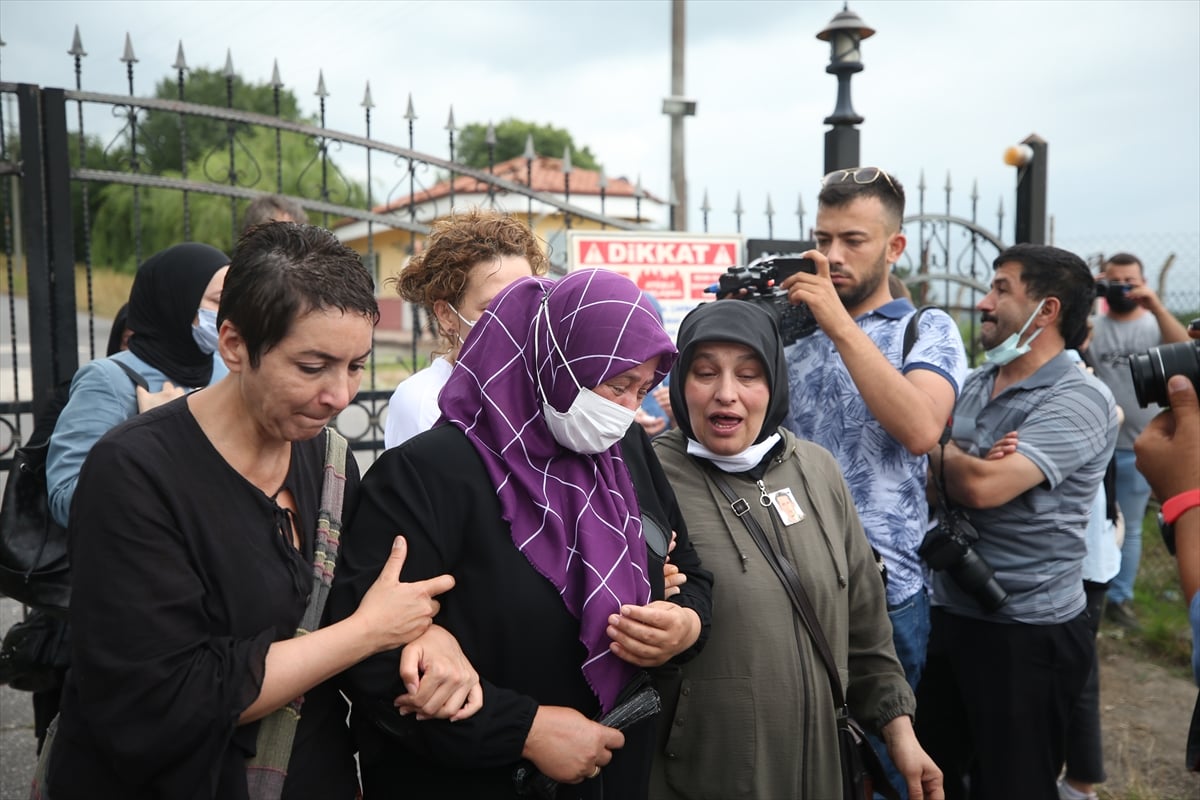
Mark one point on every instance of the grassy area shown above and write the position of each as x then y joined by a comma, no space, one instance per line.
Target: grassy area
1165,637
110,290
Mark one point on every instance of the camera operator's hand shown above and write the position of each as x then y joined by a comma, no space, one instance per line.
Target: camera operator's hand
1145,297
1169,327
1168,450
819,293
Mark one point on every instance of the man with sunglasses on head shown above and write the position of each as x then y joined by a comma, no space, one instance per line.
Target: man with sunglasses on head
857,394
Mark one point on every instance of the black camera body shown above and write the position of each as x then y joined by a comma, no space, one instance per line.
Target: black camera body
949,547
1112,291
1151,370
760,281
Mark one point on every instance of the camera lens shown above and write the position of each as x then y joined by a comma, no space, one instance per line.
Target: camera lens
1151,369
974,575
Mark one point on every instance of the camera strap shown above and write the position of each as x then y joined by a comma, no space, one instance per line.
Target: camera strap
786,573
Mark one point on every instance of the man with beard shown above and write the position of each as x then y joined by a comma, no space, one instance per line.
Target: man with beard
855,392
1031,439
1136,321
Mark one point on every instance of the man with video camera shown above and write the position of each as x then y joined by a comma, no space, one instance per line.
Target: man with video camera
857,393
1009,652
1135,321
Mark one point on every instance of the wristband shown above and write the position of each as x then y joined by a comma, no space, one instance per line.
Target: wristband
1174,507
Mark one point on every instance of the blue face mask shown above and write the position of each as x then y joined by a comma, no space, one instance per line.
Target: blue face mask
204,332
1008,351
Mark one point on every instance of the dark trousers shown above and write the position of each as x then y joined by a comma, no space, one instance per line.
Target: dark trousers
1085,754
994,702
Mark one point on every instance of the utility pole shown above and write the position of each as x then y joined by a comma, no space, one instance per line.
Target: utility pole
677,107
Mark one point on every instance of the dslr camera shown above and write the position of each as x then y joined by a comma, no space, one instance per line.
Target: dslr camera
760,280
1115,294
1151,370
949,547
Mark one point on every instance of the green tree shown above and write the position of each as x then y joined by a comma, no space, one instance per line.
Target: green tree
214,219
159,141
511,134
97,156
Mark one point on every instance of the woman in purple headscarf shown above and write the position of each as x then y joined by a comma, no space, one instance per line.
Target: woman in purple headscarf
549,508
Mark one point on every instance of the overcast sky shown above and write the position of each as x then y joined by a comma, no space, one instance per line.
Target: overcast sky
1114,87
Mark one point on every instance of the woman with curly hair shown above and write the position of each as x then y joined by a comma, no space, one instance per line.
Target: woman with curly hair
467,261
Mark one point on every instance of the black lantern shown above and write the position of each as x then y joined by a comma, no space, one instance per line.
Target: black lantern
844,33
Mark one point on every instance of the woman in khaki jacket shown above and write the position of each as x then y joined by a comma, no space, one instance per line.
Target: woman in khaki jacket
753,715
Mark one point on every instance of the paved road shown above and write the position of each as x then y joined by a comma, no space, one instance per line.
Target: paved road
17,744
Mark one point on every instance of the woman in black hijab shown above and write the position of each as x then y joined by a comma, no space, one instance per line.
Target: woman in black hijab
173,294
755,715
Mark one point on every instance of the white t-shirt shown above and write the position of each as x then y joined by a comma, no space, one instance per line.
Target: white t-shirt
414,405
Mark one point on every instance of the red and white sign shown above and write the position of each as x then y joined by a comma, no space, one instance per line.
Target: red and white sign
675,268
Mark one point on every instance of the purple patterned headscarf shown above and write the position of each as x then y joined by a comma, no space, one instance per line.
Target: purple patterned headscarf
575,517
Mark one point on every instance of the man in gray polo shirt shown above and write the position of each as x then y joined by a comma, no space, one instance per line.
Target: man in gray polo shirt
1032,434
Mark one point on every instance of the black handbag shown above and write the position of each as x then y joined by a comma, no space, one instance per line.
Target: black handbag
34,568
862,772
35,653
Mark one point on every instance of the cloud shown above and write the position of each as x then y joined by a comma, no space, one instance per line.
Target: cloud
1113,87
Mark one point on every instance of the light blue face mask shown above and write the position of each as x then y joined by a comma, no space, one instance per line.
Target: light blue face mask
1008,351
204,332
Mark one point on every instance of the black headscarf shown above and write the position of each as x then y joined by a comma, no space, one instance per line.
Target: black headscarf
166,292
739,322
116,334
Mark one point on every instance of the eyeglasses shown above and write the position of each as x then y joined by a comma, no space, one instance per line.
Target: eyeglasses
863,176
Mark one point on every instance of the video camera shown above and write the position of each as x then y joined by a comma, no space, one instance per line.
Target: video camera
760,281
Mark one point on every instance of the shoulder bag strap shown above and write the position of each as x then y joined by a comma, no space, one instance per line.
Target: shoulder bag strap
329,528
791,583
133,374
266,771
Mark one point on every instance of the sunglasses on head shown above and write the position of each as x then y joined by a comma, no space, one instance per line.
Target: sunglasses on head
862,176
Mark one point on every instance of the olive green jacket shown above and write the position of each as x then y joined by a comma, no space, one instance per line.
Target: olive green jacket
752,716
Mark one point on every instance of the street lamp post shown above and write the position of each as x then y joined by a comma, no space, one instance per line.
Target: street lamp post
844,33
1030,159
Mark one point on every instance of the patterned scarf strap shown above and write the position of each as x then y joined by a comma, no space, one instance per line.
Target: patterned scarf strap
267,770
329,529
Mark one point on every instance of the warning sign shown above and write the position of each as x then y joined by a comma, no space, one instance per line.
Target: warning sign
675,268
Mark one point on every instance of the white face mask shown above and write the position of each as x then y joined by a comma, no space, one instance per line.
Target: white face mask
470,323
1008,351
204,332
593,423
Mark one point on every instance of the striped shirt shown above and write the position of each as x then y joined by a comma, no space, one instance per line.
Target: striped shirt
1066,424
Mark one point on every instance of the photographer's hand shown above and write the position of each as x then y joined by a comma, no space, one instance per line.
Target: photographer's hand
1172,329
820,295
1168,450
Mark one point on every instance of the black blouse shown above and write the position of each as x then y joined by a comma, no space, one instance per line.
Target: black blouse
509,620
181,581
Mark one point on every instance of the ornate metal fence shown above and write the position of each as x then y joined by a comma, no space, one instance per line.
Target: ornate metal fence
49,227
